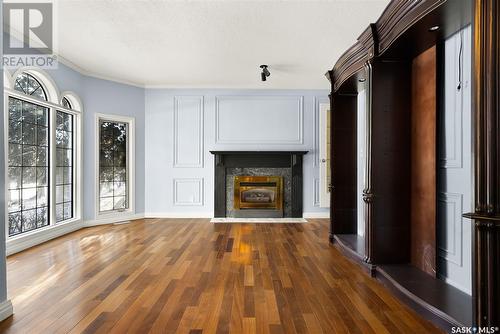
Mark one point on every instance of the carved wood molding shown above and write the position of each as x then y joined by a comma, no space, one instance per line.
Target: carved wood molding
397,18
486,106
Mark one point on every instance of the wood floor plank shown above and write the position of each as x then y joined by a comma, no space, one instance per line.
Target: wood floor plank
191,276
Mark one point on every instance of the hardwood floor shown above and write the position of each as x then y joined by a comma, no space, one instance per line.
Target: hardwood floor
191,276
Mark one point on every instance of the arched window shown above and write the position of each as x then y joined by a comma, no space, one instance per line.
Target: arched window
65,102
42,149
27,84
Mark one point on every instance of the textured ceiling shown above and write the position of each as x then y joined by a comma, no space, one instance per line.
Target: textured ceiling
211,44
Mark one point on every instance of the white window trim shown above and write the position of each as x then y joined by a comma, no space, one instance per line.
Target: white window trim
130,167
48,232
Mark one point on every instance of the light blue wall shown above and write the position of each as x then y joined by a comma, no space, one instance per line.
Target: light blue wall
166,107
104,97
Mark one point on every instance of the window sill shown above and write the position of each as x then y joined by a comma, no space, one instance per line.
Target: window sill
30,239
114,217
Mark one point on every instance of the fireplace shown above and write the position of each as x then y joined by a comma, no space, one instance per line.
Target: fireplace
258,184
258,192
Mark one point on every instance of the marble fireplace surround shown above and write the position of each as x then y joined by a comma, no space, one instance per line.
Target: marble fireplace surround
287,164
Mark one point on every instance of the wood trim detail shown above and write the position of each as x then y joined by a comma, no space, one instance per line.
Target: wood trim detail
486,218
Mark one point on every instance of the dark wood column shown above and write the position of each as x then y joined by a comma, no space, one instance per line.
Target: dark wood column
486,215
343,164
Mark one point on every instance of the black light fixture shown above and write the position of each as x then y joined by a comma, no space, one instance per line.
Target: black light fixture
265,72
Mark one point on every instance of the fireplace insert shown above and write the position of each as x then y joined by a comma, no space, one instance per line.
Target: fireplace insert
258,192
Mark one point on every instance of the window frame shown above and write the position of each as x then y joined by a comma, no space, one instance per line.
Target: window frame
130,165
77,156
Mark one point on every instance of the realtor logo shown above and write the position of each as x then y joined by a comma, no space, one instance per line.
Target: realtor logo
28,34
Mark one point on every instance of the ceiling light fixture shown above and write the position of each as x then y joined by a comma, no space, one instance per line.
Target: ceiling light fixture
265,72
434,28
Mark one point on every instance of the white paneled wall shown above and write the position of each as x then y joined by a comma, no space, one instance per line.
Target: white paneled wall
188,131
182,126
259,120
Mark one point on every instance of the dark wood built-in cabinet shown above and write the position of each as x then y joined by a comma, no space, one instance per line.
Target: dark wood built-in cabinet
398,62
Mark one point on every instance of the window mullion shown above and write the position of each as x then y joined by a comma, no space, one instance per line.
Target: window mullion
52,169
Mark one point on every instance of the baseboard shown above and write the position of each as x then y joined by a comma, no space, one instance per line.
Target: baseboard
6,309
35,238
112,220
316,215
179,215
211,215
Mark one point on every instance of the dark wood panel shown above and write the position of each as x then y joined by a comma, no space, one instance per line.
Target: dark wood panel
436,300
423,161
297,193
486,215
390,230
219,183
344,164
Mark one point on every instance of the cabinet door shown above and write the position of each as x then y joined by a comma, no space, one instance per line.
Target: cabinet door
455,165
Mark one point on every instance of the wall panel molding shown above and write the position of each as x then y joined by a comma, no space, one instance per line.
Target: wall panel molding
316,130
188,192
188,131
450,211
316,191
262,122
451,157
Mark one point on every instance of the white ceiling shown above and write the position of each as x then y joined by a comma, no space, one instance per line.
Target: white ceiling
211,44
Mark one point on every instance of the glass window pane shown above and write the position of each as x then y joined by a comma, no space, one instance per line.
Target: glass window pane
14,200
59,194
42,136
66,103
106,203
119,189
29,198
42,217
42,196
14,223
15,178
64,169
29,177
28,219
68,210
68,175
28,161
59,212
29,113
68,196
29,134
59,175
15,132
41,116
15,110
113,190
119,202
41,156
28,84
29,155
15,155
106,189
41,176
